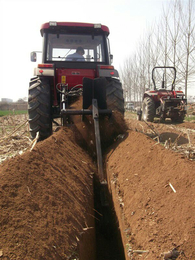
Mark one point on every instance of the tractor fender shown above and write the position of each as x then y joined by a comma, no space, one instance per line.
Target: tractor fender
151,94
107,71
44,72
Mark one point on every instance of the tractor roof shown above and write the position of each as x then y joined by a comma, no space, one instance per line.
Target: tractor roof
73,27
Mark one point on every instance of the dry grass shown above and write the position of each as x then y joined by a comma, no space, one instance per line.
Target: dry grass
14,136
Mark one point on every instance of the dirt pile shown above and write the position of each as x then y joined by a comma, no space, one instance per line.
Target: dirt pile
46,202
177,137
143,177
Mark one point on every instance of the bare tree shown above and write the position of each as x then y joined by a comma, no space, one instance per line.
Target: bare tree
188,22
170,42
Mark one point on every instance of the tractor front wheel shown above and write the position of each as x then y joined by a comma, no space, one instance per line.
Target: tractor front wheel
148,109
39,108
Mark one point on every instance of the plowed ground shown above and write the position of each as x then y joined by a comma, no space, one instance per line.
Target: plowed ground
154,218
46,195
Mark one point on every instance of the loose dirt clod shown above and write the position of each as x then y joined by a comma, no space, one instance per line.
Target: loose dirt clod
173,254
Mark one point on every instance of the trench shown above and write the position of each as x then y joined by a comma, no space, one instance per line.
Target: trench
109,244
108,241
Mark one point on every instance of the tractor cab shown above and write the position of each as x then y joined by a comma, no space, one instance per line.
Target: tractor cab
61,40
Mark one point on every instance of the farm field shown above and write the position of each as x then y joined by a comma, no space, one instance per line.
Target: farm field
11,113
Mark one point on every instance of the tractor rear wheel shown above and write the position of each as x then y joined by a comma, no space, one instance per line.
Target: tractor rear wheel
114,96
148,109
39,108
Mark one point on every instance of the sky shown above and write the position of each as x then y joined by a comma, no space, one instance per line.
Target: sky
20,22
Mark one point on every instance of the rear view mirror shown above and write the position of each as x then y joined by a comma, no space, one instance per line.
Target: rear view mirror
111,58
33,56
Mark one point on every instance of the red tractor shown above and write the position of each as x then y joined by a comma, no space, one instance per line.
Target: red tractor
76,61
163,101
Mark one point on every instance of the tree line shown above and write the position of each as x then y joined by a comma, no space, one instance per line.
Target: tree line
169,42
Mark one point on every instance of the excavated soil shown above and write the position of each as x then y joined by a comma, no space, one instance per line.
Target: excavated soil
46,195
46,201
153,189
